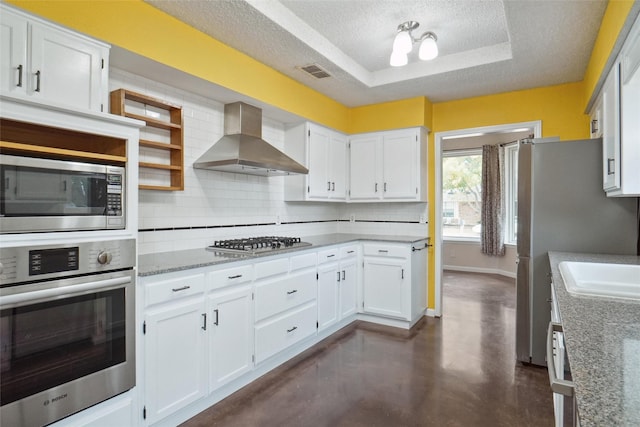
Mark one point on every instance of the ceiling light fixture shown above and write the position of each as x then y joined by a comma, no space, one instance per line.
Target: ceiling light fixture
403,43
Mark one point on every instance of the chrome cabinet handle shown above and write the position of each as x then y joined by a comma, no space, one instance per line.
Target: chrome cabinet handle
343,275
332,255
204,322
383,251
38,81
338,275
19,75
237,276
292,292
563,387
184,288
217,321
292,329
333,186
350,252
594,126
385,187
611,166
376,187
402,273
328,185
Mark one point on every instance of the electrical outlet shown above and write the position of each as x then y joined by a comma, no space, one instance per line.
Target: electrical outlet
352,218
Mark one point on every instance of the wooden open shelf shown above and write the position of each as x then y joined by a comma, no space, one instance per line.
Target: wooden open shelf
21,138
174,126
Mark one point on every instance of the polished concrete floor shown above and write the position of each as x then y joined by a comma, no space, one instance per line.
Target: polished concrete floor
459,370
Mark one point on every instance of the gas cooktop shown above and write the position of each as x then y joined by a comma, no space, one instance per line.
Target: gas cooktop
257,245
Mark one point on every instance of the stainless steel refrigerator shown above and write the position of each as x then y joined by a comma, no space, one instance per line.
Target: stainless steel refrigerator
561,207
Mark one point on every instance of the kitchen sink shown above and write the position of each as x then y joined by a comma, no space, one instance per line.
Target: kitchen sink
600,279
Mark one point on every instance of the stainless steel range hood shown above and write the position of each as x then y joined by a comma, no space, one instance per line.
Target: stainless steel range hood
242,149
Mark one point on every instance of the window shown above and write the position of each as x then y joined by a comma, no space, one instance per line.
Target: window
461,193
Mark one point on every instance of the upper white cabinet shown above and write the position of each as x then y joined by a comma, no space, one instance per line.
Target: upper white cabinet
388,166
614,117
51,64
324,152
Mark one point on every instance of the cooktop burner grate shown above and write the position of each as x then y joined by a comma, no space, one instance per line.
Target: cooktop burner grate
253,245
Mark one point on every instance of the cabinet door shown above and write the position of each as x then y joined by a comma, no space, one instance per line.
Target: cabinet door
231,341
175,357
385,287
318,181
595,125
13,52
364,166
328,296
348,287
338,167
400,157
65,68
611,130
630,114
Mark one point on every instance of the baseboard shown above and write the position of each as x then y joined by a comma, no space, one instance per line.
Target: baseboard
430,312
480,270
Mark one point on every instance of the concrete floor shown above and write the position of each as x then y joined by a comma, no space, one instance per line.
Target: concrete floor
459,370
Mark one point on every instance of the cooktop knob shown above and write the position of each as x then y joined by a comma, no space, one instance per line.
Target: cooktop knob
104,257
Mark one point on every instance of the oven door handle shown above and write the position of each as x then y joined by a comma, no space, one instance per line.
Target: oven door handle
8,301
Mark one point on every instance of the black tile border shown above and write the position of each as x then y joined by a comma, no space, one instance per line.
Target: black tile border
203,227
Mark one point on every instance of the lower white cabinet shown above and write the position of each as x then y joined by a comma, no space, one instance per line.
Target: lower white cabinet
283,331
230,337
387,280
328,295
348,287
175,356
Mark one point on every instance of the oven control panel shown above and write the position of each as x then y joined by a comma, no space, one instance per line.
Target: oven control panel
31,263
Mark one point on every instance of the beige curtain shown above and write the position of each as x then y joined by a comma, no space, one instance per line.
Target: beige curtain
492,235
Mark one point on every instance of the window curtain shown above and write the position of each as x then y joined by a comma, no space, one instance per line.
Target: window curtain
492,216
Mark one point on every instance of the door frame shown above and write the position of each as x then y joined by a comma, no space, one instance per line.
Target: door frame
438,137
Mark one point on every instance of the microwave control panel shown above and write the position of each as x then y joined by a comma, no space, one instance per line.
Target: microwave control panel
114,194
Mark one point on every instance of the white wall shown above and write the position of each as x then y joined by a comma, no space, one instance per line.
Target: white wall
466,256
239,202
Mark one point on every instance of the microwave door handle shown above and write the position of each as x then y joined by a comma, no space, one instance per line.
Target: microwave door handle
9,301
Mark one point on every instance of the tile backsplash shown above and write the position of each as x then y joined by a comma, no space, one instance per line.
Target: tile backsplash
218,205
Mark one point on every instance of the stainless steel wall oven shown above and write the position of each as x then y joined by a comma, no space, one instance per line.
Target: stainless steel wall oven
67,337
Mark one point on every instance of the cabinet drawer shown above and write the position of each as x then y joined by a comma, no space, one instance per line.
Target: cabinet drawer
386,250
328,255
304,261
276,296
348,251
271,268
230,276
276,335
171,289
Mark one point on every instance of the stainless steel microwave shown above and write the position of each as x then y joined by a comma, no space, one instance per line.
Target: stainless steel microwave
39,195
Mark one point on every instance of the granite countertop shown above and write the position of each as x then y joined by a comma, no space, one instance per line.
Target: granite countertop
166,262
602,338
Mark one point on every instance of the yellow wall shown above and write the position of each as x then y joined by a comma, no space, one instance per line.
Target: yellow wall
140,28
145,30
614,18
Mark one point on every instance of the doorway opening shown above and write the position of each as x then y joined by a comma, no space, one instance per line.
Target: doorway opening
457,227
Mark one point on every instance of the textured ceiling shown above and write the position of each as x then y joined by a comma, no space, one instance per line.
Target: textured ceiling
485,46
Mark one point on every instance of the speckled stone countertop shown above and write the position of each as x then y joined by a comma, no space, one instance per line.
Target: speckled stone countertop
602,338
166,262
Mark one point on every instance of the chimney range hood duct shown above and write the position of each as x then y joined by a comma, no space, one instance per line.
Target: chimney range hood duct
242,149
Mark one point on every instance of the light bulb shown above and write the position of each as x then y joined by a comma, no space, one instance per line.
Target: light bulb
398,59
428,48
403,42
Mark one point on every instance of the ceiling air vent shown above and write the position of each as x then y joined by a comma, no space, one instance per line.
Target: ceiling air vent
316,71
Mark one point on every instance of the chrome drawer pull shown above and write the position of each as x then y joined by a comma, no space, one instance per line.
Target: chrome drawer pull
292,292
184,288
216,322
292,329
235,277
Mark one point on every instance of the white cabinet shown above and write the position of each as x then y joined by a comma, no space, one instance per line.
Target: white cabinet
52,64
348,281
324,152
388,166
387,280
629,184
337,284
175,356
328,296
610,98
231,338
